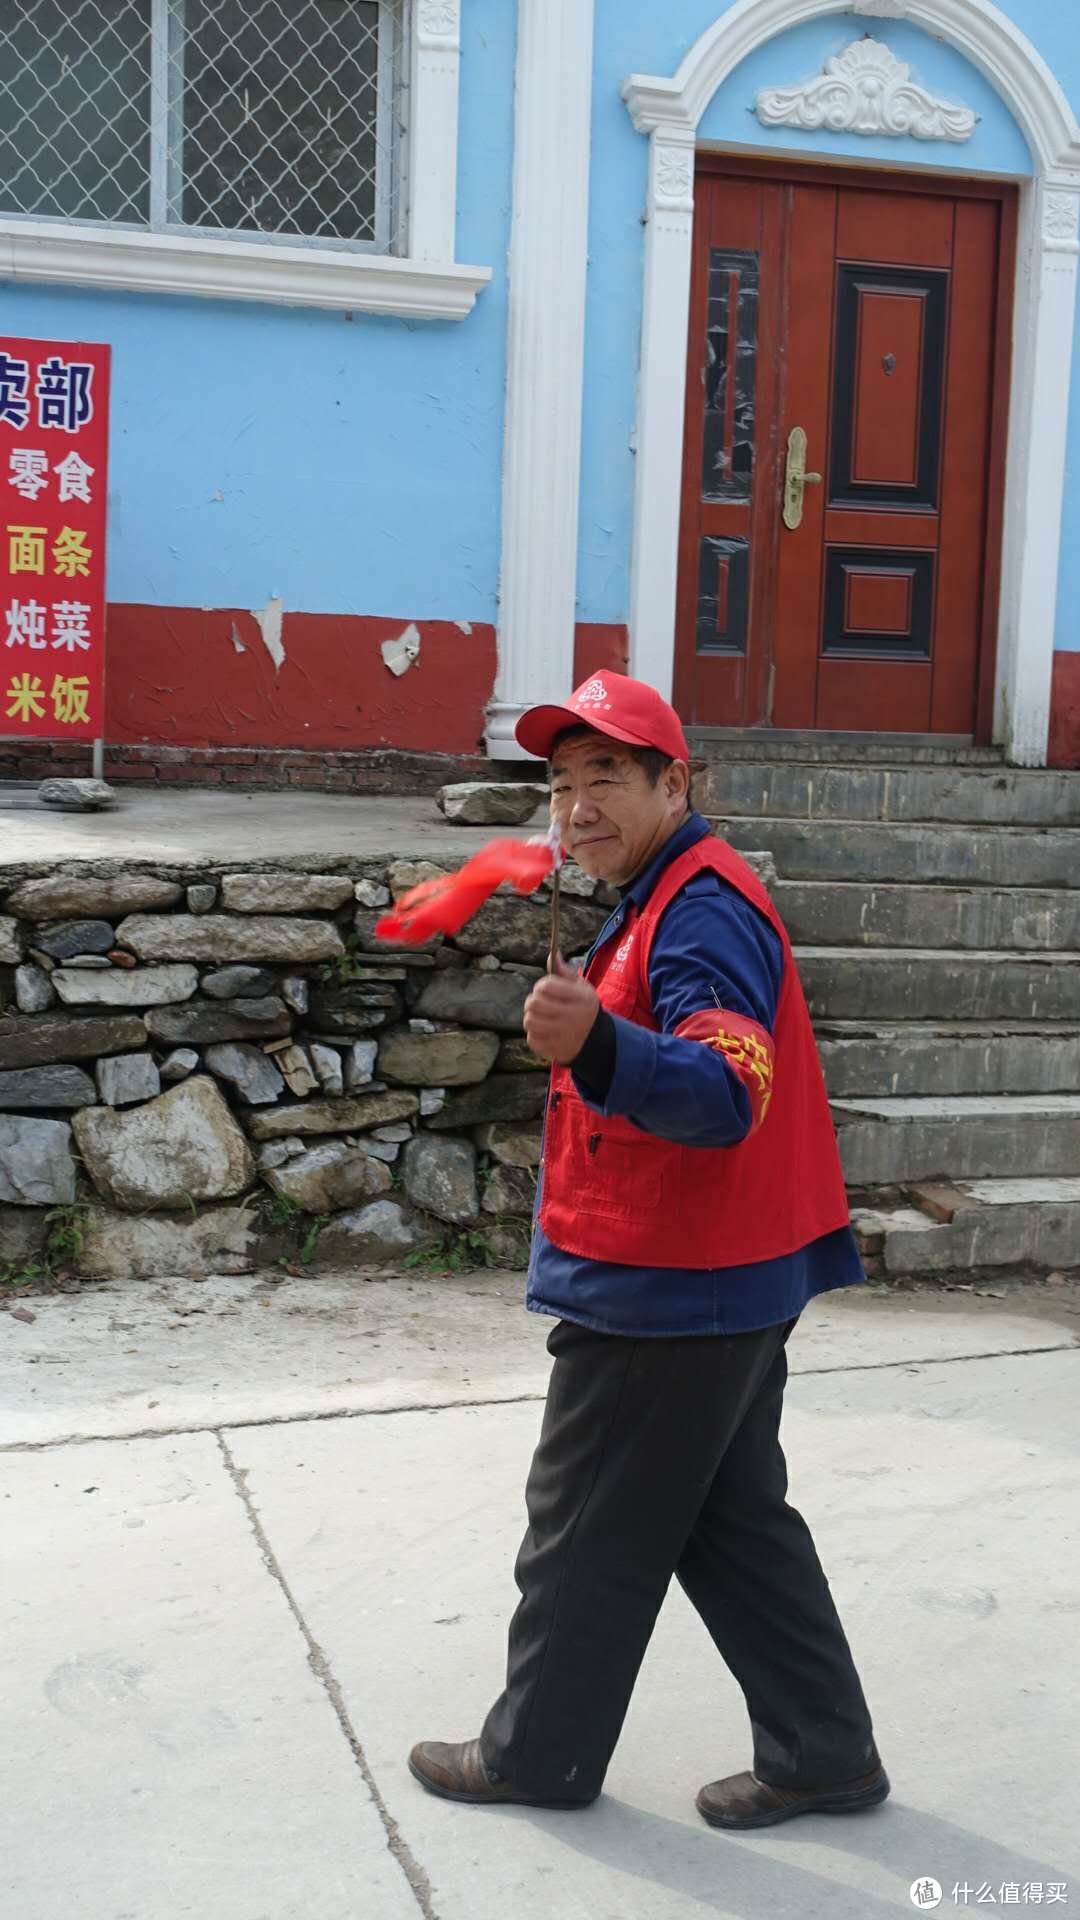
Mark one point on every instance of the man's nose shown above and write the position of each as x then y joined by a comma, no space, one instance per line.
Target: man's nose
584,810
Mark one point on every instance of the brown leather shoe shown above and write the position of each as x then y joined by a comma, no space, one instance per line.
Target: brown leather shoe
742,1800
459,1773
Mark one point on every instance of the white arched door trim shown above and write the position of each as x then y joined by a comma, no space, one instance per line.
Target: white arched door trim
669,111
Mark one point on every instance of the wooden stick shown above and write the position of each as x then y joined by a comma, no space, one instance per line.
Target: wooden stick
556,903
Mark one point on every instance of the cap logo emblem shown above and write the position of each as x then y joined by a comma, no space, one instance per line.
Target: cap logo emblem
593,694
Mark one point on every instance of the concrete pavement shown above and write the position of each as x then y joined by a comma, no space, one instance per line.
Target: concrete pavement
258,1537
191,828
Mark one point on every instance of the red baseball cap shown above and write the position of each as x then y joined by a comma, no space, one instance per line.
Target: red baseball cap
610,703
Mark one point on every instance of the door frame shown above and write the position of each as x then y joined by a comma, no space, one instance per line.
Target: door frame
1004,194
1043,304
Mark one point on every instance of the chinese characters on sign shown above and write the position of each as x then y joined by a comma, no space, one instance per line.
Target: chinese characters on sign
54,437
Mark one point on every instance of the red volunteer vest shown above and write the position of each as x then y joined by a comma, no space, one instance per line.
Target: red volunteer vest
613,1192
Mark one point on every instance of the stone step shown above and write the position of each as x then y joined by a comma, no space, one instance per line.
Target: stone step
886,1059
971,1137
984,796
913,983
977,1223
883,914
724,744
915,855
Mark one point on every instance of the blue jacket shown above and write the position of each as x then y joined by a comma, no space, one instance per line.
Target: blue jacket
711,945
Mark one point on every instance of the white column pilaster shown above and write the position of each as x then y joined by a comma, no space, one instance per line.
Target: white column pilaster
545,359
1043,349
661,406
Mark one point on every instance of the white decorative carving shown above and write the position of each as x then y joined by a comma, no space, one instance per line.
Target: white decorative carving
865,89
1061,216
674,175
881,9
433,129
439,19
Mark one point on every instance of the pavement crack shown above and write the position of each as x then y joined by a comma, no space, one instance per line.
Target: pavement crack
419,1884
497,1400
936,1360
269,1420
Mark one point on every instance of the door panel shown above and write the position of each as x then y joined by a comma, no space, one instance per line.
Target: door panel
728,463
895,698
965,467
888,393
916,231
865,317
806,402
883,438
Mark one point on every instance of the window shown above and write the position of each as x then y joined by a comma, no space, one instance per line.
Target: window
248,119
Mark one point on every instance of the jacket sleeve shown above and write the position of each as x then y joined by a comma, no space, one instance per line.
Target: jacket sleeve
714,977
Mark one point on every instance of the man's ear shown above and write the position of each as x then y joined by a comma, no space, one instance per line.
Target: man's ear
677,778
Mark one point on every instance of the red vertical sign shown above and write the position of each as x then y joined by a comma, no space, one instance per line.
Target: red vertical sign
54,445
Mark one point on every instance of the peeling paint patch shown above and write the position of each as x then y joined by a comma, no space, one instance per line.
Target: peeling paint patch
269,620
464,626
236,640
400,654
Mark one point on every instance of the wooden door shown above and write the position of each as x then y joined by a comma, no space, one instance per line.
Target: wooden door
869,317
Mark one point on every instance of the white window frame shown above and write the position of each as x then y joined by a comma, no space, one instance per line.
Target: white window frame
423,282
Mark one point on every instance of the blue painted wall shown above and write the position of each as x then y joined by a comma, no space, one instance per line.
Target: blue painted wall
358,462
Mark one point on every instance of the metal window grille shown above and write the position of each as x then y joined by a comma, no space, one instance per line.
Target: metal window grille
268,118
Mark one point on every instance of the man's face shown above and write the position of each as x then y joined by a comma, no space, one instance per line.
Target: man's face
610,819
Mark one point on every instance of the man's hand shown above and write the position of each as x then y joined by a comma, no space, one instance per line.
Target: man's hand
559,1014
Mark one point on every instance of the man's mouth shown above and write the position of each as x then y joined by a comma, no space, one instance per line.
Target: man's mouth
596,840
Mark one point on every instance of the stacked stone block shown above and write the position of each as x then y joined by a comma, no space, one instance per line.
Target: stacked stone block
198,1067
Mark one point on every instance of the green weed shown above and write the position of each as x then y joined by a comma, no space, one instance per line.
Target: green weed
454,1252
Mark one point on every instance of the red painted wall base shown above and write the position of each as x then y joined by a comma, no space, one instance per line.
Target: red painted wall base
597,647
1065,711
181,676
194,696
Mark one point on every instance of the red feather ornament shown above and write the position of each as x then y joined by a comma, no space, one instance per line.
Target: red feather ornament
443,905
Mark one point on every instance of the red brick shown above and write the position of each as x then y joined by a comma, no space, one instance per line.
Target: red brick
185,777
311,777
115,772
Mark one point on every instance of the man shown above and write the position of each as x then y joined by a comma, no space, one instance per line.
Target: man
691,1204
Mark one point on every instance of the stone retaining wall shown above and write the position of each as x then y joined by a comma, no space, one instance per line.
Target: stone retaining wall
206,1072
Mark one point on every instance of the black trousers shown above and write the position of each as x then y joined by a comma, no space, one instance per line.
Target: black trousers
661,1457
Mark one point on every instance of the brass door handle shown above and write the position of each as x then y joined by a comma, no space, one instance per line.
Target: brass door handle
796,478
